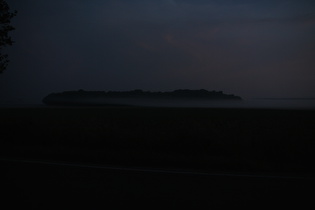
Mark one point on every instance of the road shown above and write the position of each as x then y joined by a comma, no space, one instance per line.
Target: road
39,184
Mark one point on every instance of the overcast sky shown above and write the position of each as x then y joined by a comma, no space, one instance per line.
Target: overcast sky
245,47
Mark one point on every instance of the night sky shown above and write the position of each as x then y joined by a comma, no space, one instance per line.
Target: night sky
243,47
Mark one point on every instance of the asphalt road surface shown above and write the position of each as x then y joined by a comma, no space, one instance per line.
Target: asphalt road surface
34,184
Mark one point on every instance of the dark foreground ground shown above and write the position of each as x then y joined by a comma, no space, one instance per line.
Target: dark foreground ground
59,185
277,143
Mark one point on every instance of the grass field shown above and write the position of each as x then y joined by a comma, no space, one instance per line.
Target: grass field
251,140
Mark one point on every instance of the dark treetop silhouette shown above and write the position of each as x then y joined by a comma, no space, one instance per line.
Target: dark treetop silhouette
5,19
82,97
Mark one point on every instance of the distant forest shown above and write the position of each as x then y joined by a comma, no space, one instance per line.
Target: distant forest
182,93
81,96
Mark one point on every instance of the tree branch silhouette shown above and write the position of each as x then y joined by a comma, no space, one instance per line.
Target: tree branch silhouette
5,27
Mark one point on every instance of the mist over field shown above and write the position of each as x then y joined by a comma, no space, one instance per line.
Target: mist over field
249,103
185,103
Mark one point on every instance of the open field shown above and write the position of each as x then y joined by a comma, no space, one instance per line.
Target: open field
241,140
59,185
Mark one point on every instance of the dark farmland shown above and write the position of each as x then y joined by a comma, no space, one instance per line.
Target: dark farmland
32,185
199,138
240,141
